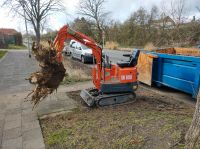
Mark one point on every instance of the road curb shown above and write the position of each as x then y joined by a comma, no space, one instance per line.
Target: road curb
3,57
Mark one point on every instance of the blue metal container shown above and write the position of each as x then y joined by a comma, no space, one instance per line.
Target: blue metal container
178,72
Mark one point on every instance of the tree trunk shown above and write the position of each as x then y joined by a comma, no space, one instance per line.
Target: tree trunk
38,36
194,131
99,31
38,32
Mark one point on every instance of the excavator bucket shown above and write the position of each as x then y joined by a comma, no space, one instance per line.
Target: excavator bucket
88,98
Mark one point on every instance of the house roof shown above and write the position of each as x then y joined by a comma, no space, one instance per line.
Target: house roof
8,31
165,19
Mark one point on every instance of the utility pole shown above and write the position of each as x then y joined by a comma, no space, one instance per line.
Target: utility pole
103,38
29,52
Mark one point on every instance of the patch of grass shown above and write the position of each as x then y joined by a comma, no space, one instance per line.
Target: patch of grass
74,77
18,47
74,74
58,137
2,53
112,45
137,125
106,128
176,134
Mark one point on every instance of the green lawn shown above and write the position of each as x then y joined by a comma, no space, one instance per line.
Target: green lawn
12,46
2,53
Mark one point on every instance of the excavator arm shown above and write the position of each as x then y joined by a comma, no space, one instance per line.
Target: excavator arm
67,33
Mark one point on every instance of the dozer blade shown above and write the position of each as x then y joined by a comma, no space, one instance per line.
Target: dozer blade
115,99
88,98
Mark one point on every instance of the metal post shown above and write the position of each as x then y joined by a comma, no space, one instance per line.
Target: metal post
103,38
29,52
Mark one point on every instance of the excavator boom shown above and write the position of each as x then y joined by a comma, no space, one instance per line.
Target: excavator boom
67,33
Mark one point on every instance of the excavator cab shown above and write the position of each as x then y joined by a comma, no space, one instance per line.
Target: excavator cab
133,59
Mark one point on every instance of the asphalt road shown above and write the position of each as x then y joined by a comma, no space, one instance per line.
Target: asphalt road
14,68
116,55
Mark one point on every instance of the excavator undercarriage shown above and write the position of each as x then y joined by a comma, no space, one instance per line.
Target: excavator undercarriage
92,97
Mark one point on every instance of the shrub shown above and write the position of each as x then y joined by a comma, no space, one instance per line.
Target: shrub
111,45
149,46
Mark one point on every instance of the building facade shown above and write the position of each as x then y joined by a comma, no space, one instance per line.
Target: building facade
9,36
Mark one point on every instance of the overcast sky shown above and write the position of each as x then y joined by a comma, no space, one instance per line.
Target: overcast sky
120,10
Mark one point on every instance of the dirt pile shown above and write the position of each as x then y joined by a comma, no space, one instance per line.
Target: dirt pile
51,74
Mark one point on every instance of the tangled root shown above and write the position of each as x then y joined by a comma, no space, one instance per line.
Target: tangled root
50,75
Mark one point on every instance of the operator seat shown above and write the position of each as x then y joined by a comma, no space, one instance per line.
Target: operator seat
132,62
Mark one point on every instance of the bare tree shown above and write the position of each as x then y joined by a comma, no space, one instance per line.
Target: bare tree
44,25
94,9
154,13
198,9
34,11
177,11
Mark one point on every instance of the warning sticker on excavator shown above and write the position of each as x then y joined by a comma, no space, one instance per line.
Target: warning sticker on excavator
126,77
129,77
122,77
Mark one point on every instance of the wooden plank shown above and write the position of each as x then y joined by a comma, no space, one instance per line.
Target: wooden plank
144,68
180,51
188,51
166,51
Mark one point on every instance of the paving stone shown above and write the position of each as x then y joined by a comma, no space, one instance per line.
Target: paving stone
32,134
27,105
27,111
14,111
1,137
12,143
29,117
12,124
34,144
3,107
12,133
13,106
2,116
26,126
1,124
13,117
2,111
14,101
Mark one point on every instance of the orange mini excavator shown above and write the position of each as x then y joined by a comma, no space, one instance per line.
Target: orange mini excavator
114,83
